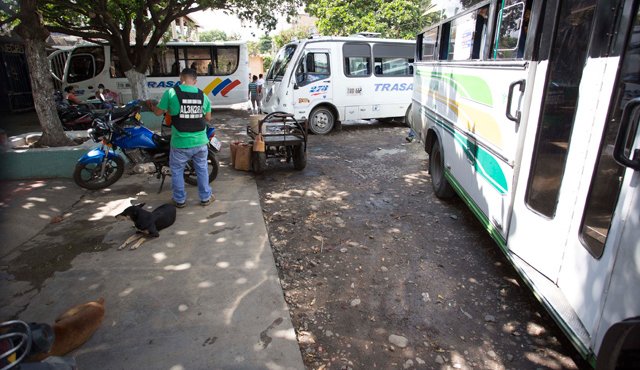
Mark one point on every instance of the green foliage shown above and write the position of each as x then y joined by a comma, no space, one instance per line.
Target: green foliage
267,60
218,35
265,44
253,48
213,35
391,18
134,27
8,15
285,37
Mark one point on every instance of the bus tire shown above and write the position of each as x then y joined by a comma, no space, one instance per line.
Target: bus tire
441,186
321,120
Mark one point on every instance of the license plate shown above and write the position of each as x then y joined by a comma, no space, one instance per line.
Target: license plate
216,143
138,116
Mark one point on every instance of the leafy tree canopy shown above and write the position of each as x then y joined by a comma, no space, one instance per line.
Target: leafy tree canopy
285,37
391,18
129,24
218,35
264,44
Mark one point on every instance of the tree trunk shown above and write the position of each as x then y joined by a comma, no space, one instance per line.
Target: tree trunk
42,87
138,82
34,34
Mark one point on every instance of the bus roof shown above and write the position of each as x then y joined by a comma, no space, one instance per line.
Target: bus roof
351,38
170,43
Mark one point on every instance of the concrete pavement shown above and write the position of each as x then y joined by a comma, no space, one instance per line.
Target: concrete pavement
204,295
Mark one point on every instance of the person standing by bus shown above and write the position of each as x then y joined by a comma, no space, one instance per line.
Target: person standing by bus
254,91
188,107
260,86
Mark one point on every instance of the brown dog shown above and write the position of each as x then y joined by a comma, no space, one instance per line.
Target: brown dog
74,327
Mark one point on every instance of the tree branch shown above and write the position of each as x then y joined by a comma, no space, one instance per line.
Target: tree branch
83,34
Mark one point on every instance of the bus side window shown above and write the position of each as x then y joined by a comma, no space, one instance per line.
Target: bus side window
357,59
429,45
115,70
393,59
163,62
443,51
481,32
225,60
511,33
197,58
313,67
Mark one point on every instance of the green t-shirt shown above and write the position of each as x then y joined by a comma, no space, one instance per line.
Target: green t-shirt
170,103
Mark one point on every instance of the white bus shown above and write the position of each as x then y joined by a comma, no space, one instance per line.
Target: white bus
223,69
332,79
529,111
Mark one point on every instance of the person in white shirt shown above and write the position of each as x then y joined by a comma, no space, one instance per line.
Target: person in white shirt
260,83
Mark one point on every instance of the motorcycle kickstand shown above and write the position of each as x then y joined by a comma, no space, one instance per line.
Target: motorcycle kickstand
162,183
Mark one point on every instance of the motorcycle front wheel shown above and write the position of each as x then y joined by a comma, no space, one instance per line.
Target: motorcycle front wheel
87,175
190,172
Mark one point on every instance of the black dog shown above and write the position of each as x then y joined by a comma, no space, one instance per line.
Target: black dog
147,223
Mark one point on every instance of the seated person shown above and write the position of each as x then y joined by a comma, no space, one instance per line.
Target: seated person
70,95
107,96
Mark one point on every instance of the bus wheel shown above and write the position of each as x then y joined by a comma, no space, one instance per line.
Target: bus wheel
441,186
321,120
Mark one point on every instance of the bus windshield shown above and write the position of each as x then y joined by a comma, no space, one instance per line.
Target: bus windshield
282,61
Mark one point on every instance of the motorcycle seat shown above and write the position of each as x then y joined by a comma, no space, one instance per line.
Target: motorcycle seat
161,141
117,113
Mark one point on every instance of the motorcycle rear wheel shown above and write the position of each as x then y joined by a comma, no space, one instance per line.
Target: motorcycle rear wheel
190,173
87,175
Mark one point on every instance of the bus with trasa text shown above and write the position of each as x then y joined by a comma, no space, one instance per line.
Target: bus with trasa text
332,79
222,67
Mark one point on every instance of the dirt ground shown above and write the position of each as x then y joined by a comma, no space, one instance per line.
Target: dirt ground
379,273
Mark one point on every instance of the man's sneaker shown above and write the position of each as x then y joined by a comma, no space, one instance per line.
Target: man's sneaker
208,201
179,205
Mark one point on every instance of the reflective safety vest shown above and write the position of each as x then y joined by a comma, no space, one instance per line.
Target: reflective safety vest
190,117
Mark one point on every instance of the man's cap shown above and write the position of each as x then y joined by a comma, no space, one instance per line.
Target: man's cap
189,72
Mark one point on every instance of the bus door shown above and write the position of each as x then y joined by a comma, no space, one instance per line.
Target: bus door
311,80
575,210
601,264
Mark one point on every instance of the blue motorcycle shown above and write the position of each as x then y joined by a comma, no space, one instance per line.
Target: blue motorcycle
148,153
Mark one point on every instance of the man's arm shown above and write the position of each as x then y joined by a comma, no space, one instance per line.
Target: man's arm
163,106
154,108
206,108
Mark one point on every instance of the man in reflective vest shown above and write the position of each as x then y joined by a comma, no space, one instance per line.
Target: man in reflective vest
188,107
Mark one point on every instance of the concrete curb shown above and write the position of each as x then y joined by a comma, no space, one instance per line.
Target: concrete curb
45,163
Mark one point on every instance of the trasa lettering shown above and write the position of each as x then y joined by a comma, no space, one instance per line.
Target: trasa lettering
161,84
394,87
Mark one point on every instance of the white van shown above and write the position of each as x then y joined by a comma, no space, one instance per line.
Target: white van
332,79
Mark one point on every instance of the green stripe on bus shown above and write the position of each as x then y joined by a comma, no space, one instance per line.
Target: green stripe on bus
471,87
483,162
484,220
584,351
